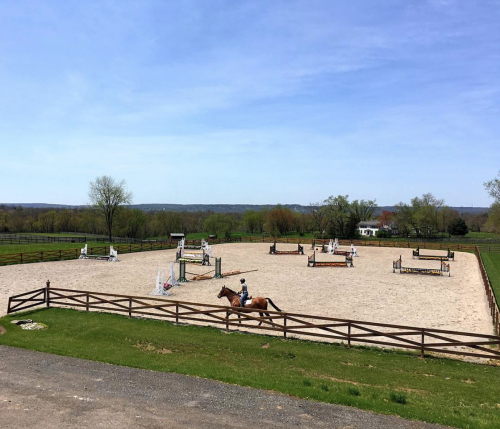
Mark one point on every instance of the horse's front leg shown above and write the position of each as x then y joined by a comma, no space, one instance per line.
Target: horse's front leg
261,315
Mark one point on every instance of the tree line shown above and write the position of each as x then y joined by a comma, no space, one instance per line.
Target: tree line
107,214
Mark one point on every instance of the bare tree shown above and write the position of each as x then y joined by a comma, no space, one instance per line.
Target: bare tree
493,188
106,197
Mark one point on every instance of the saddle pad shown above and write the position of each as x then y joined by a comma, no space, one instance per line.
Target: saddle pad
248,302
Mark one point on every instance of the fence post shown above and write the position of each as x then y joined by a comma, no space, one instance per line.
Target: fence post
284,326
176,314
47,291
349,334
227,321
422,347
130,307
87,305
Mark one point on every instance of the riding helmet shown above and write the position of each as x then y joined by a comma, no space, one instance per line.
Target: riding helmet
242,280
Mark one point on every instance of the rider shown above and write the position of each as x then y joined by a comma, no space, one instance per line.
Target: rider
243,292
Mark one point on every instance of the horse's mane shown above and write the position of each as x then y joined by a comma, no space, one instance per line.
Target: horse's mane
230,290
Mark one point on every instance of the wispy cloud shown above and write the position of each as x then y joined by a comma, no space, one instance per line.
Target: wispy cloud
122,87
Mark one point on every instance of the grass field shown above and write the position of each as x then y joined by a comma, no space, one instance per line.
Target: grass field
42,247
482,235
492,264
440,390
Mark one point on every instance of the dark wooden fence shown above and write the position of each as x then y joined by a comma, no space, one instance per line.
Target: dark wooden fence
424,340
61,255
6,239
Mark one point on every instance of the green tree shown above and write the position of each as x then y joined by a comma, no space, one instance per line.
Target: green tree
337,215
253,221
493,222
458,227
420,218
446,217
132,223
106,196
221,224
279,221
318,218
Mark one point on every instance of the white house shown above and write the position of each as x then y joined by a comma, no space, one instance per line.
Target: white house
368,228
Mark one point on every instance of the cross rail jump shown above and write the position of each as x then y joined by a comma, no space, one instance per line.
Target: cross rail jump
311,262
450,256
398,265
273,251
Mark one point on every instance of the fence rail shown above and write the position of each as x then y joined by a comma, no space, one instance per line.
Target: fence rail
7,239
424,340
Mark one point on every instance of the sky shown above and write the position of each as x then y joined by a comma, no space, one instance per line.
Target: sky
250,102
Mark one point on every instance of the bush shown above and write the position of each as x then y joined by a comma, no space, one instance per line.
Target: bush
398,397
382,233
458,227
354,391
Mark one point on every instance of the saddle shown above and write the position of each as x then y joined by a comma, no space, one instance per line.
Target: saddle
248,301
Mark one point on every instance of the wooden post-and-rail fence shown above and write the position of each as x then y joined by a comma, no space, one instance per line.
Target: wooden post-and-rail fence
286,324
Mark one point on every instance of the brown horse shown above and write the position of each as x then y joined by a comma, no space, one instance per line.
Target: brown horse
258,303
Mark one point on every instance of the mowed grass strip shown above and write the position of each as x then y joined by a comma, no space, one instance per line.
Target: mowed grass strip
439,390
492,265
42,247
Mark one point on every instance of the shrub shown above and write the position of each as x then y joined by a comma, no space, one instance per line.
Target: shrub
354,391
398,397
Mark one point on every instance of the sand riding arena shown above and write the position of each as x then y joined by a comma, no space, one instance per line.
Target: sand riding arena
369,291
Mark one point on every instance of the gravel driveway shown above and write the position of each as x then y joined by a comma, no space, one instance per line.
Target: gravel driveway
43,390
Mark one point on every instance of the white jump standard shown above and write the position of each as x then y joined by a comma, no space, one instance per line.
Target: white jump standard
162,286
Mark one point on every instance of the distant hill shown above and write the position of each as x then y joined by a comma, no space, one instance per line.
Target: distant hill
221,208
40,205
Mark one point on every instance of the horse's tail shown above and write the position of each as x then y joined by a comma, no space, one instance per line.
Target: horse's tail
272,303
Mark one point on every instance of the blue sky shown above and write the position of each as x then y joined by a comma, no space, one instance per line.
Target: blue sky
215,101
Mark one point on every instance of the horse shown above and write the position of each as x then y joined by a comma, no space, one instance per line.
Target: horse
258,303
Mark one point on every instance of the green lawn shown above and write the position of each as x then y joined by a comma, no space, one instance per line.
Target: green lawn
482,235
437,390
492,264
42,247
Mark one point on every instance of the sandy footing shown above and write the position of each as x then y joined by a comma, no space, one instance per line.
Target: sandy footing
369,291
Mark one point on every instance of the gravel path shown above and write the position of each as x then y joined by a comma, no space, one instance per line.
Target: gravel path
43,390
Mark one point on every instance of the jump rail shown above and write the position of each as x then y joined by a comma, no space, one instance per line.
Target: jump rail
450,256
421,339
311,262
273,251
397,265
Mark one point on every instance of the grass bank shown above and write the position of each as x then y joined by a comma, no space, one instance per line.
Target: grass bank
492,264
445,391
